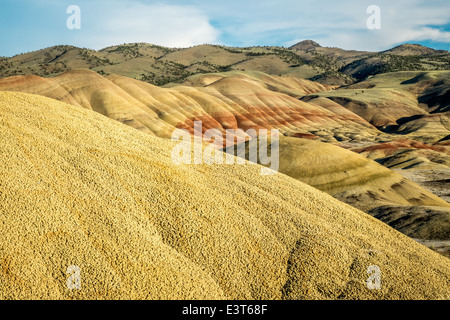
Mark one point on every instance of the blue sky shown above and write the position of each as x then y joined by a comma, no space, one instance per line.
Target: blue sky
28,25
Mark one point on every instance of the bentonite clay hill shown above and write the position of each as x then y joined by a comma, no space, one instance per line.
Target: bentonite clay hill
79,189
223,101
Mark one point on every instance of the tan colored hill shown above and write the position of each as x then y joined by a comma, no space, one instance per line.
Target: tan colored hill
225,101
80,189
422,223
292,86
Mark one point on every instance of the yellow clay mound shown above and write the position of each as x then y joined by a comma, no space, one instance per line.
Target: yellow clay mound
79,189
349,176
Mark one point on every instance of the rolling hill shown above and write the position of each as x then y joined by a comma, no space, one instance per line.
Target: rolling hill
229,100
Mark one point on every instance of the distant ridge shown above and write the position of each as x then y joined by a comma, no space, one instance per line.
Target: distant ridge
162,66
410,49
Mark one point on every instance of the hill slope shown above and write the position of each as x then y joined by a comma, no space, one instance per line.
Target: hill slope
80,189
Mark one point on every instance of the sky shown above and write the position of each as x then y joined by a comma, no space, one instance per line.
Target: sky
28,25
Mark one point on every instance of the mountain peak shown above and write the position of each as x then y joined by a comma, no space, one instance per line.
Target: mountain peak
306,45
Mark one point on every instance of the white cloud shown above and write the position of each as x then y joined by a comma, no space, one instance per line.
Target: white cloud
333,23
183,23
107,23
